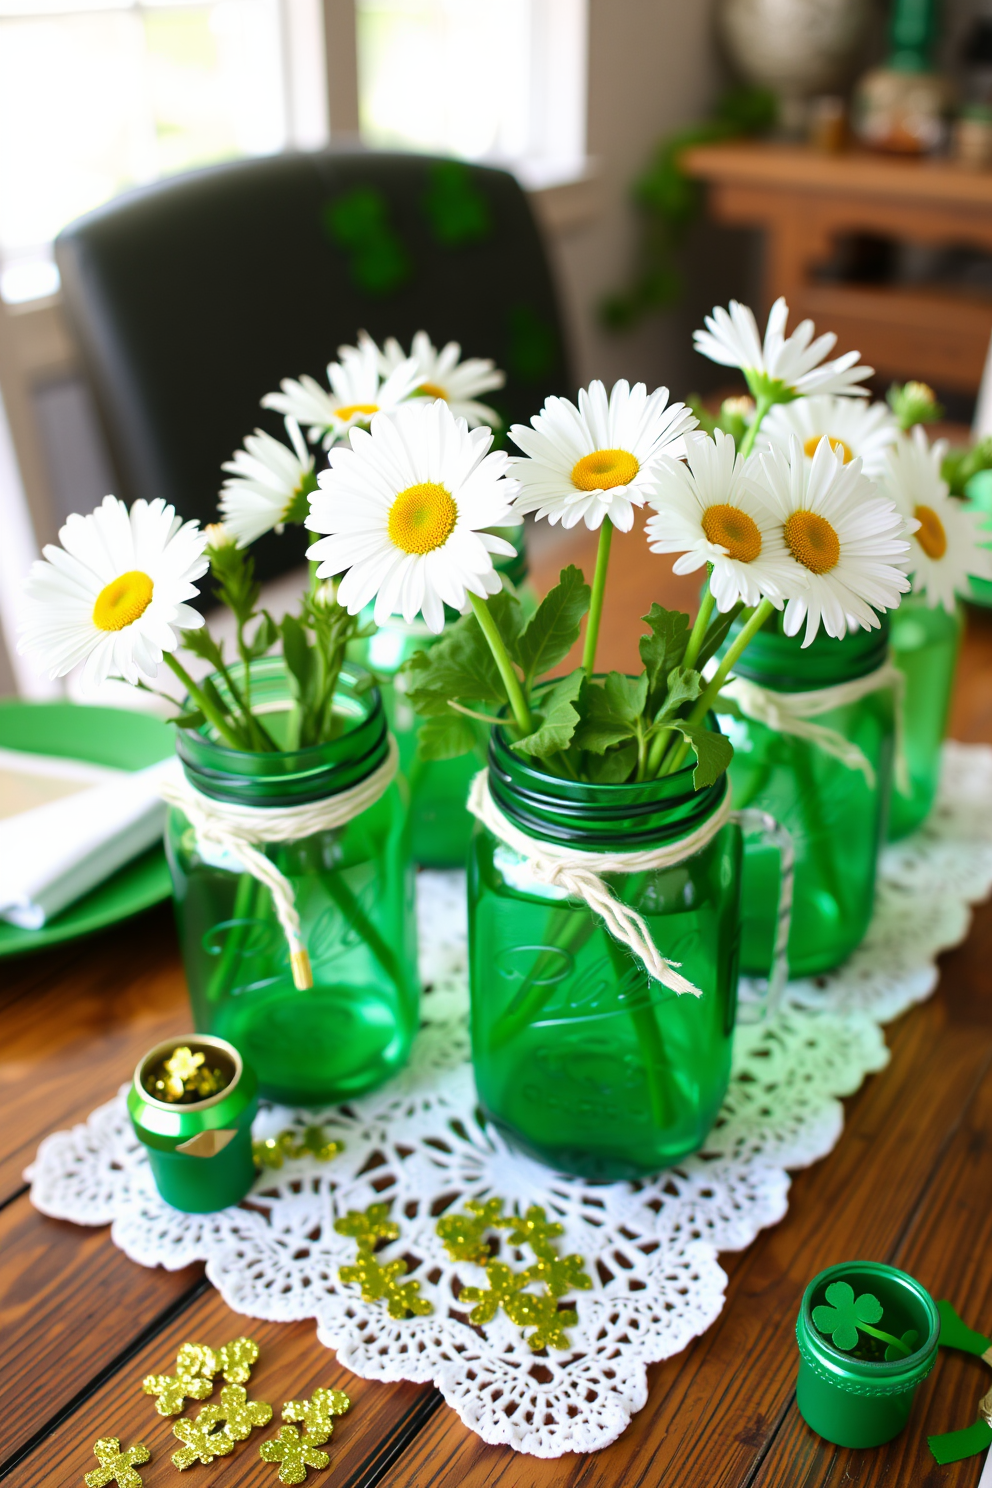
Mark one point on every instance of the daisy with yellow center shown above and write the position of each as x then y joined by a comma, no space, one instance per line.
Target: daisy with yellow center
853,429
268,485
705,510
358,391
113,595
779,368
445,376
406,510
948,544
845,539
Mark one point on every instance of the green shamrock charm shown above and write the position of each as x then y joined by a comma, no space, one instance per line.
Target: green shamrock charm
116,1466
847,1316
203,1443
196,1365
504,1284
295,1454
317,1413
464,1235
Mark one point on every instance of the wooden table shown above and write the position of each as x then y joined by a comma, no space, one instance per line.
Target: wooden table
804,202
910,1183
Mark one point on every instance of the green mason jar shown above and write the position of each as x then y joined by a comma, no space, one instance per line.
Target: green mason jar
835,812
925,644
441,827
864,1401
199,1151
353,890
581,1059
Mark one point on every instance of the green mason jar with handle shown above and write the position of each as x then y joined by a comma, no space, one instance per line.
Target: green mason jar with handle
192,1102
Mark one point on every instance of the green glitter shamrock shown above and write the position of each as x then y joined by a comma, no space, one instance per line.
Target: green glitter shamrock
548,1321
116,1466
272,1151
317,1413
535,1230
504,1284
196,1365
463,1235
368,1226
239,1414
848,1315
382,1284
560,1274
294,1453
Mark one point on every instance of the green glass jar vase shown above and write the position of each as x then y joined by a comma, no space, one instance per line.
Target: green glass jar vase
353,890
441,826
835,809
859,1397
581,1059
925,645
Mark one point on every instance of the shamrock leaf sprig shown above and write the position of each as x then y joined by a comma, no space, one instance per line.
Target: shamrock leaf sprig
607,731
848,1316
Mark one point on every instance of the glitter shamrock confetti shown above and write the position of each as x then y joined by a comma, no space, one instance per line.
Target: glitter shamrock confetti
368,1226
317,1413
534,1229
294,1453
273,1151
203,1443
184,1077
560,1274
547,1318
196,1365
382,1284
464,1235
504,1284
116,1466
235,1359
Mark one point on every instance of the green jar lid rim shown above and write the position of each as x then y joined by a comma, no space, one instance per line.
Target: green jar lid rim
191,1040
866,1376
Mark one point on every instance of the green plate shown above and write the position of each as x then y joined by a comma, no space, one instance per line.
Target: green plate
102,736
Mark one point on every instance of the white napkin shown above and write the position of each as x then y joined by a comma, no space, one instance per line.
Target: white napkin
54,853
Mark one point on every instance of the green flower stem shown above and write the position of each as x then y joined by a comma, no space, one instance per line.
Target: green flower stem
662,738
598,594
885,1338
207,708
243,914
762,406
705,701
514,691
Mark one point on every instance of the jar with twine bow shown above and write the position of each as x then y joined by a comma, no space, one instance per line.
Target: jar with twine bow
294,896
817,738
604,937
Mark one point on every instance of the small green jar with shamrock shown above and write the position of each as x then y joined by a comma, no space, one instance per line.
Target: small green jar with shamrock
867,1337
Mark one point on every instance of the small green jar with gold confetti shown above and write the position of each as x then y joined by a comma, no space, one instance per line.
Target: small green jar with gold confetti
192,1103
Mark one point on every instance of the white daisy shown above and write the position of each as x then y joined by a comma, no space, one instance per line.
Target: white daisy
707,512
849,540
357,393
444,376
854,429
948,545
406,508
780,368
270,485
597,460
113,594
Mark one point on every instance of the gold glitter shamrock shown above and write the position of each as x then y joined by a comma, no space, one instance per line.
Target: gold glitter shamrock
116,1466
382,1284
317,1413
238,1413
368,1227
271,1152
463,1235
196,1365
560,1274
504,1284
294,1454
235,1359
542,1313
182,1076
534,1230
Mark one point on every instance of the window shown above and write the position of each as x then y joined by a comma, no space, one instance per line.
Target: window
495,80
97,97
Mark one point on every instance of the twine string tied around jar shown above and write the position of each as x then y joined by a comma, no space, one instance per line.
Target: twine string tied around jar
793,713
239,829
580,875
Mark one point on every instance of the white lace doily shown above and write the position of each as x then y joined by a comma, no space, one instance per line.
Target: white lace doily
651,1248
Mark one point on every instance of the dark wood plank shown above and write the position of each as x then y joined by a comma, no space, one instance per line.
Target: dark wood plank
76,1021
708,1419
291,1364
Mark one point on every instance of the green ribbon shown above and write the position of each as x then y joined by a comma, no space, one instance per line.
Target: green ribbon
952,1446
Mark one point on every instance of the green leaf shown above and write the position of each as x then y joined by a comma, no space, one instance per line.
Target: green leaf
300,658
505,609
559,717
264,638
613,767
459,666
202,644
684,686
188,720
662,650
553,630
716,635
446,736
713,751
601,725
627,695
